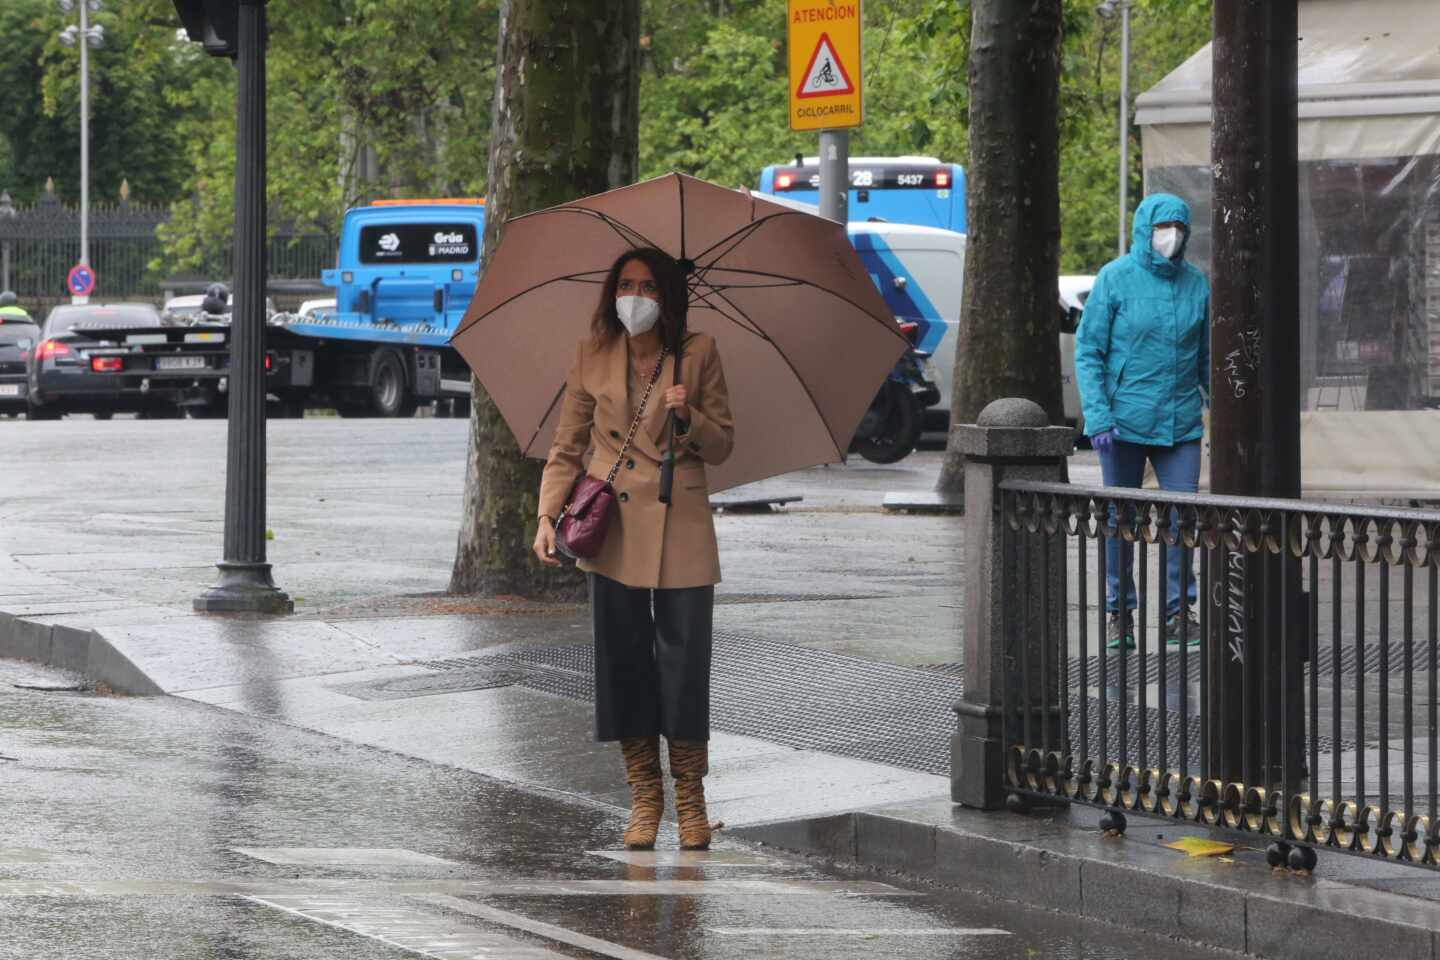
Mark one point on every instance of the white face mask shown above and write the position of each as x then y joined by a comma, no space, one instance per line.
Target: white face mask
1166,241
637,313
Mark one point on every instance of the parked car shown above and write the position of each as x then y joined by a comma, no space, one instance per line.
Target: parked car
90,359
187,308
316,308
18,336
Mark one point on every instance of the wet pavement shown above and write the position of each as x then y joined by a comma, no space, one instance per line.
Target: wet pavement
364,515
159,827
124,519
443,743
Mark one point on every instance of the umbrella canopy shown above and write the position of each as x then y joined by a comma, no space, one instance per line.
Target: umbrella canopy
805,338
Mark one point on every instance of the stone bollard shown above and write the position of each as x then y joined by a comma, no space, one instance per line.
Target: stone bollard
1012,439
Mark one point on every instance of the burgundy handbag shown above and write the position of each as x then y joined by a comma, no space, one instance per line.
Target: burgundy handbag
580,531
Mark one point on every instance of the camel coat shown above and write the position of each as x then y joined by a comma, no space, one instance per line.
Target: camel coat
648,544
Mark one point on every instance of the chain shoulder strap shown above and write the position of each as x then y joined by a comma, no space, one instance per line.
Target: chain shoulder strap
639,415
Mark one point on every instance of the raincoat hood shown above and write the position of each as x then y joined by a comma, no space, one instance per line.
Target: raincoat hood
1159,208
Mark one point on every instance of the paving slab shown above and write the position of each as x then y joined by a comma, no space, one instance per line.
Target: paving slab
364,515
1234,904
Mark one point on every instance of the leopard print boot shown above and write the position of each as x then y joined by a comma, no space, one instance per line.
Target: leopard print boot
647,791
689,762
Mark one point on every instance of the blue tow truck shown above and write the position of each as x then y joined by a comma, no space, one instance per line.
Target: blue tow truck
405,273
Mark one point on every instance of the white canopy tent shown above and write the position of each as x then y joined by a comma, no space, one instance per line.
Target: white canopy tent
1369,139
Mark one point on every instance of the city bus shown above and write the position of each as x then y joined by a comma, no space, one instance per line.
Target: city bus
918,190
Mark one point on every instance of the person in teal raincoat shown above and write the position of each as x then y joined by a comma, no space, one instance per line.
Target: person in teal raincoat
1142,364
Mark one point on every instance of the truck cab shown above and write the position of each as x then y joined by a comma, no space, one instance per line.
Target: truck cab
406,270
404,275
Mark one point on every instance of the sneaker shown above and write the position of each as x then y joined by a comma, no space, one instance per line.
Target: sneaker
1120,628
1173,627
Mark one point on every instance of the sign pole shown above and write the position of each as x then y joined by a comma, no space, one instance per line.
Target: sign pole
826,88
835,175
1255,378
84,39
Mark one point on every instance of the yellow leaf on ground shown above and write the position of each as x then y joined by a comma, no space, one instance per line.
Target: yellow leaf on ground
1201,847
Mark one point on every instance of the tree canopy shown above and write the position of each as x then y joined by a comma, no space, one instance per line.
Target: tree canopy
393,98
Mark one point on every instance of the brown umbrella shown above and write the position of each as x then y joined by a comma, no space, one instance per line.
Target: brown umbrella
805,338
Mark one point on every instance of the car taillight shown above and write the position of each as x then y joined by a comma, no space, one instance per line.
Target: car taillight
107,364
909,330
942,179
51,348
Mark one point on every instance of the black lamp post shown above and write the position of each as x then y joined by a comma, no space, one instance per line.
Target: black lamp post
236,29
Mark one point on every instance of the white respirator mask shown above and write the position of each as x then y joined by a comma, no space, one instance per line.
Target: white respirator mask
638,314
1166,241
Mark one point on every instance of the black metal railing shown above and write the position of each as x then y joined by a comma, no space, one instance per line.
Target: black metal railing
1301,706
41,242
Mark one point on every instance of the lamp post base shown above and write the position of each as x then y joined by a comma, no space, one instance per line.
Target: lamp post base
244,588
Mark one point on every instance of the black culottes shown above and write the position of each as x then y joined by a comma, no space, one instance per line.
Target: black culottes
652,660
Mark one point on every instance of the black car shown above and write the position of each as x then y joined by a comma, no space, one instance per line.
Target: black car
91,358
18,336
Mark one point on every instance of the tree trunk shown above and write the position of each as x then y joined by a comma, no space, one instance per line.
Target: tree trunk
566,124
1009,338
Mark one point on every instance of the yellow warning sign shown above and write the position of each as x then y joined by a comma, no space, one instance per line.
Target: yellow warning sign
825,87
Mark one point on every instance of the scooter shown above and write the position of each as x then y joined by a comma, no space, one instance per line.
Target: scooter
892,426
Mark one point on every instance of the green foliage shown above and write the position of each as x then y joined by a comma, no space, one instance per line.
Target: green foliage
393,98
366,99
714,95
133,133
1163,34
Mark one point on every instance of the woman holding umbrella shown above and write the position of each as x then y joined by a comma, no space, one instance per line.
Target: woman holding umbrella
652,584
808,339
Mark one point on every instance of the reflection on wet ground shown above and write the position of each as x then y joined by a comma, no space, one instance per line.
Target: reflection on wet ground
164,828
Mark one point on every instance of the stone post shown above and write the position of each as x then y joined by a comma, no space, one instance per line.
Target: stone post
1012,439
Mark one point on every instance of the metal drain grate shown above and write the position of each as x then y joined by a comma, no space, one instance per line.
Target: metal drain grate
477,677
790,695
817,700
728,599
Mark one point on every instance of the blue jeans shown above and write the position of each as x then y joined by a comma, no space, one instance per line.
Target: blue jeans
1177,468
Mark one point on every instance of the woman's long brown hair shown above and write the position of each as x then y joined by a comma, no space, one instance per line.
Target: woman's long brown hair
674,297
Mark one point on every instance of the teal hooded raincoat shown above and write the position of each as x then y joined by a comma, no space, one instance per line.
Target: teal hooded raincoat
1142,353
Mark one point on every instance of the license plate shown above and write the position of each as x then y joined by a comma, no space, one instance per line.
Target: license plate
179,363
9,389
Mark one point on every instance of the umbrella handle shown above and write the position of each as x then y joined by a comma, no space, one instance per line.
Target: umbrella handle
667,462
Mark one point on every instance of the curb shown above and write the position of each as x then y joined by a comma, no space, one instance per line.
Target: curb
85,652
1228,906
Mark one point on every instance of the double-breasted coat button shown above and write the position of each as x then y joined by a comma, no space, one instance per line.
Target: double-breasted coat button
629,464
615,434
624,497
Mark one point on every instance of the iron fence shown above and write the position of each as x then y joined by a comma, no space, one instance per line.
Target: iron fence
1301,708
41,242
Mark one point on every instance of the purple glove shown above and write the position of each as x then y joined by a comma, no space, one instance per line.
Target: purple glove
1103,442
